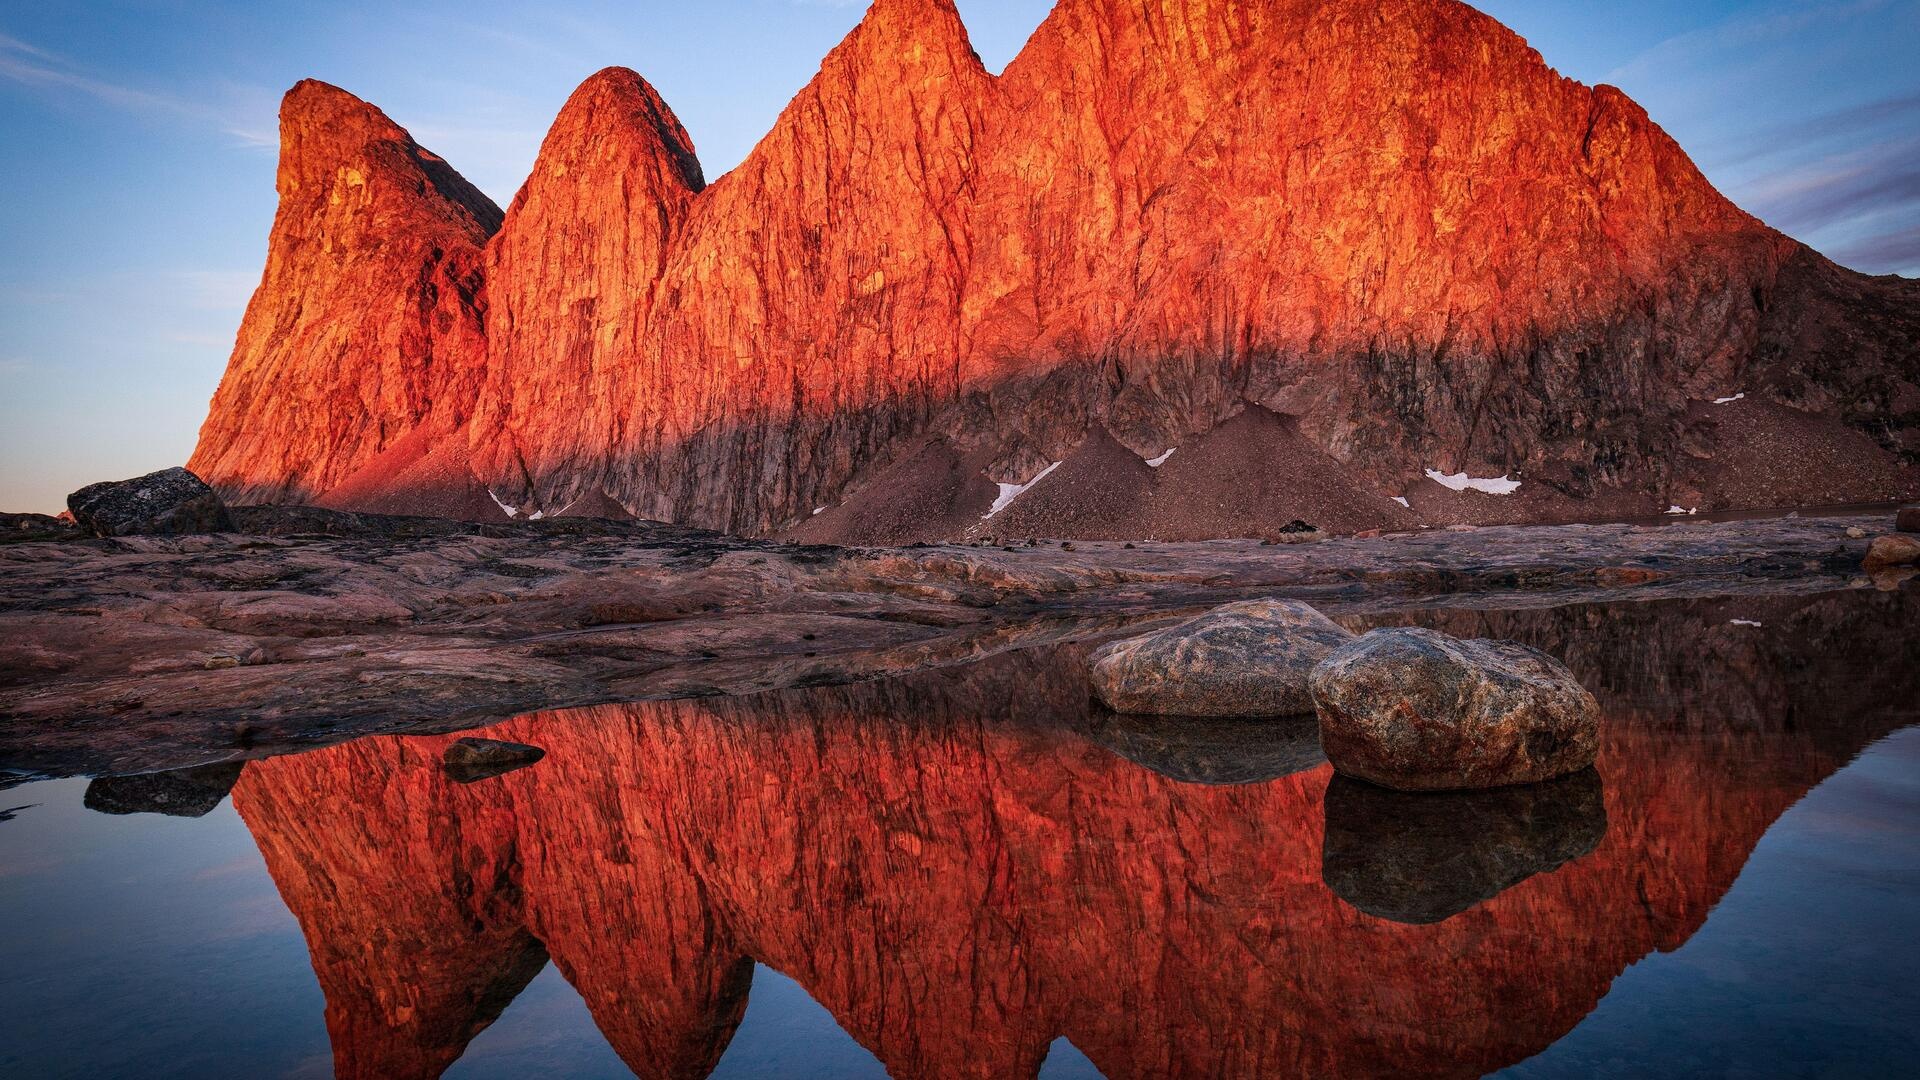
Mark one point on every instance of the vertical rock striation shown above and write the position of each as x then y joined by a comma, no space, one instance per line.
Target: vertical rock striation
1393,224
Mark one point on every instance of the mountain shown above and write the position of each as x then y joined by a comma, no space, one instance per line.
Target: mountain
1389,226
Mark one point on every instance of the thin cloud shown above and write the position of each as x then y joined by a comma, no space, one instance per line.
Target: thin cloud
1686,51
1842,187
1896,251
30,65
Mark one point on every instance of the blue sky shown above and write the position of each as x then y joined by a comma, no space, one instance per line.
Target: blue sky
137,150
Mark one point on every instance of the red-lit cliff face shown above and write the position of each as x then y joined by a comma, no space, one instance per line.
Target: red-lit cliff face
959,878
1393,224
367,323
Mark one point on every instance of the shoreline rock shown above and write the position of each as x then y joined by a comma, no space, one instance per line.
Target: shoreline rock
1248,659
1416,710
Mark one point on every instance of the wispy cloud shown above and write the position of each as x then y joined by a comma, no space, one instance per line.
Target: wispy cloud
30,65
1896,250
1780,22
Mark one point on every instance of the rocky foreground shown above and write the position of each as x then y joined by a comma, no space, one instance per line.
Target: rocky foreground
310,626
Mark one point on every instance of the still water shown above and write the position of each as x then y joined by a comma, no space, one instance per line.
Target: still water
967,873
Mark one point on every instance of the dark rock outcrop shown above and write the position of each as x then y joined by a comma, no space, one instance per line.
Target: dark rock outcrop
1908,519
1417,710
1423,857
165,503
1246,659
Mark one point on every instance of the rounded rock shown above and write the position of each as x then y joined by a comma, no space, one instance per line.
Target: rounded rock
1417,710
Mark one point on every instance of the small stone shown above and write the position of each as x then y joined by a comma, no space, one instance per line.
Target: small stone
1417,710
471,759
1855,532
165,503
221,660
1892,550
1247,659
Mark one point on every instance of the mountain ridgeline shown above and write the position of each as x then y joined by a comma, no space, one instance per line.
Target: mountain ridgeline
1321,249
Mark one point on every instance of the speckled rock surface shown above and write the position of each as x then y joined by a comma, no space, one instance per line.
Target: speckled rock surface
1417,710
1892,550
1247,659
170,502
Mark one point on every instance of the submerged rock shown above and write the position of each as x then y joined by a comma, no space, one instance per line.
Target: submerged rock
179,793
1246,659
1424,857
469,760
1892,550
1204,750
1417,710
164,503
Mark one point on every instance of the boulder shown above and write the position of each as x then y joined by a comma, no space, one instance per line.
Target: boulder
1892,550
469,760
164,503
1908,519
1247,659
1422,857
1417,710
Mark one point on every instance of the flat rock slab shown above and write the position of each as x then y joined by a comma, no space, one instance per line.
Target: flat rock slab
1417,710
1248,659
311,626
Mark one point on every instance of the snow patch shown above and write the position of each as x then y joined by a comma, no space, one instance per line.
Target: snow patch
1682,511
511,511
1461,482
1729,400
818,510
1154,463
1402,500
1747,622
1010,492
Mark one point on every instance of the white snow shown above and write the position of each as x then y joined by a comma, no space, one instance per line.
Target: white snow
1682,511
1154,463
818,510
1402,500
1461,482
1746,622
511,511
1010,492
536,515
1729,400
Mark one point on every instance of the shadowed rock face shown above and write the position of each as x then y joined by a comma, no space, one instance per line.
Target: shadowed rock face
1422,857
1393,226
959,877
165,503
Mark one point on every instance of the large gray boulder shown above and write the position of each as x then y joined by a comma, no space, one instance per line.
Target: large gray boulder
165,503
1247,659
1416,710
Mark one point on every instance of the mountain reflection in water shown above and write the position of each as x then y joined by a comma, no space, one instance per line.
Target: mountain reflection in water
964,866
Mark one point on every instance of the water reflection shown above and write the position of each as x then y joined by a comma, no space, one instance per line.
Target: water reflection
961,875
1209,750
189,793
1424,857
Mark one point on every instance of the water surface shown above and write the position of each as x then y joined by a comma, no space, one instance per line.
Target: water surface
969,873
